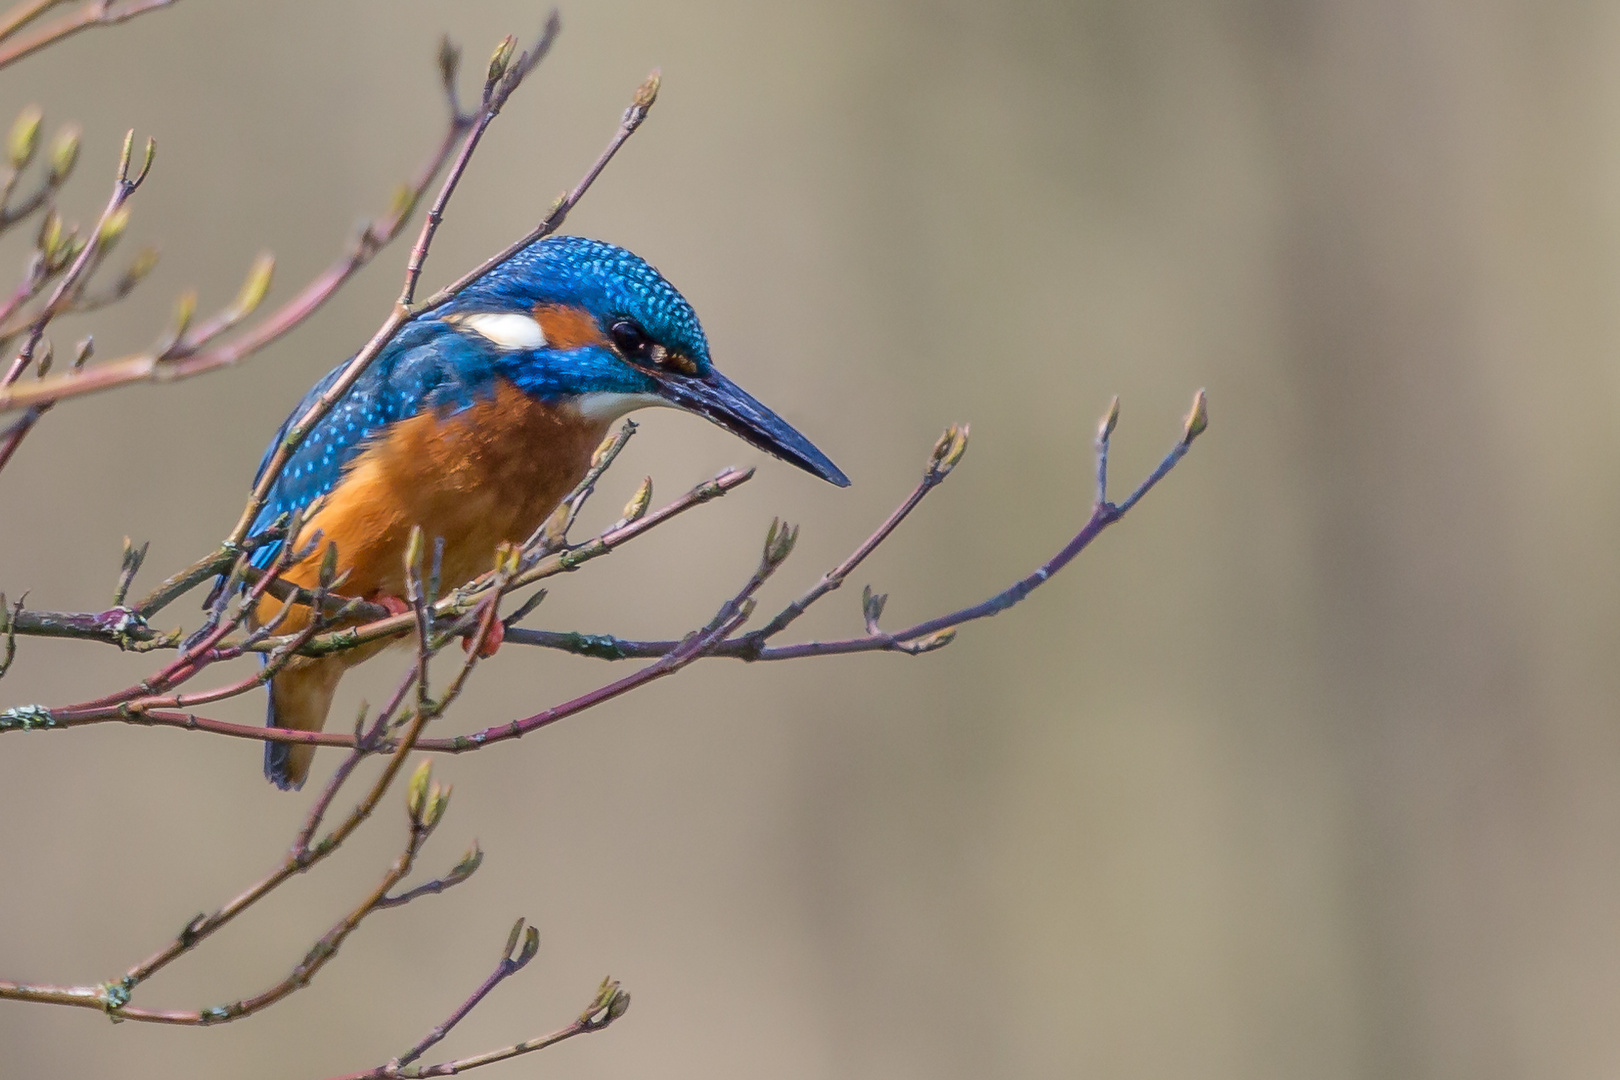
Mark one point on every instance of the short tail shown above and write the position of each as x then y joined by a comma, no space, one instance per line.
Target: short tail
300,697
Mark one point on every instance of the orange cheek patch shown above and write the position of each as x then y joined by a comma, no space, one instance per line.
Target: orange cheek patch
568,327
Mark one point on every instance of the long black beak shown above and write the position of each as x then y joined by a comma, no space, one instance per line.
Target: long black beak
733,408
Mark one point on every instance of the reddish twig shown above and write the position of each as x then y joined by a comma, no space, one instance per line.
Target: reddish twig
114,998
498,86
670,656
92,13
157,366
610,1003
633,117
124,186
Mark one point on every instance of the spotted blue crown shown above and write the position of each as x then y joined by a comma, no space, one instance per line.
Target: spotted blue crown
606,280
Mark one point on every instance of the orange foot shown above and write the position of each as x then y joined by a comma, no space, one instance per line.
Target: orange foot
394,604
492,641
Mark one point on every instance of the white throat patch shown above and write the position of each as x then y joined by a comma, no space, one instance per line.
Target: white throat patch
609,406
505,329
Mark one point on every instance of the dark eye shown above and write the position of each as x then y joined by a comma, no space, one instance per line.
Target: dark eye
632,340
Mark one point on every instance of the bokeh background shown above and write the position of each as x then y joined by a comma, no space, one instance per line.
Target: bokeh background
1309,768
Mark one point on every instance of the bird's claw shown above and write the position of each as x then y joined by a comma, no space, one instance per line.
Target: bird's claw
394,605
492,640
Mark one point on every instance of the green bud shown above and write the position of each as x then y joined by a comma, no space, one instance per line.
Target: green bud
438,801
779,541
113,227
555,533
24,137
416,792
872,604
1197,419
602,449
402,201
1110,421
143,263
49,237
328,571
257,284
413,551
449,59
64,153
637,506
647,92
948,449
501,58
185,306
469,863
531,945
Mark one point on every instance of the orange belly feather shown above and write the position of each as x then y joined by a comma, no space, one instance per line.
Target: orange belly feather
488,475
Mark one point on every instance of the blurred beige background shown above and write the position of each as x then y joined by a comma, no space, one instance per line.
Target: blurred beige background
1308,769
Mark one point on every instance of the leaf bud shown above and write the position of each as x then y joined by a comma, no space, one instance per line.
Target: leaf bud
438,801
416,792
555,533
602,449
531,945
1109,421
257,284
64,153
328,571
501,58
49,237
112,227
449,59
872,604
469,863
1197,419
647,92
779,541
413,551
185,306
636,508
24,137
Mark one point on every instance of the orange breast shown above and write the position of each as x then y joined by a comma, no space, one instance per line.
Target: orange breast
482,477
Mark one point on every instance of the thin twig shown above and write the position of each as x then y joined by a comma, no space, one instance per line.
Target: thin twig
501,81
670,655
92,13
150,366
640,106
23,13
124,185
127,627
610,1003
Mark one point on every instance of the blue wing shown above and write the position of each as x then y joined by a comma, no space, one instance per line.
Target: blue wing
429,365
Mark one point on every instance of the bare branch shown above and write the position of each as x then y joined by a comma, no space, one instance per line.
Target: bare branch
183,363
92,13
610,1003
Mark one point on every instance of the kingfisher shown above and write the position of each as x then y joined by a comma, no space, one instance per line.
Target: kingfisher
474,422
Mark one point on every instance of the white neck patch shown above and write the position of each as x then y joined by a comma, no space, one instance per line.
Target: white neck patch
505,329
609,406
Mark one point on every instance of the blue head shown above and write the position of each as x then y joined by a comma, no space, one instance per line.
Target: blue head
591,324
